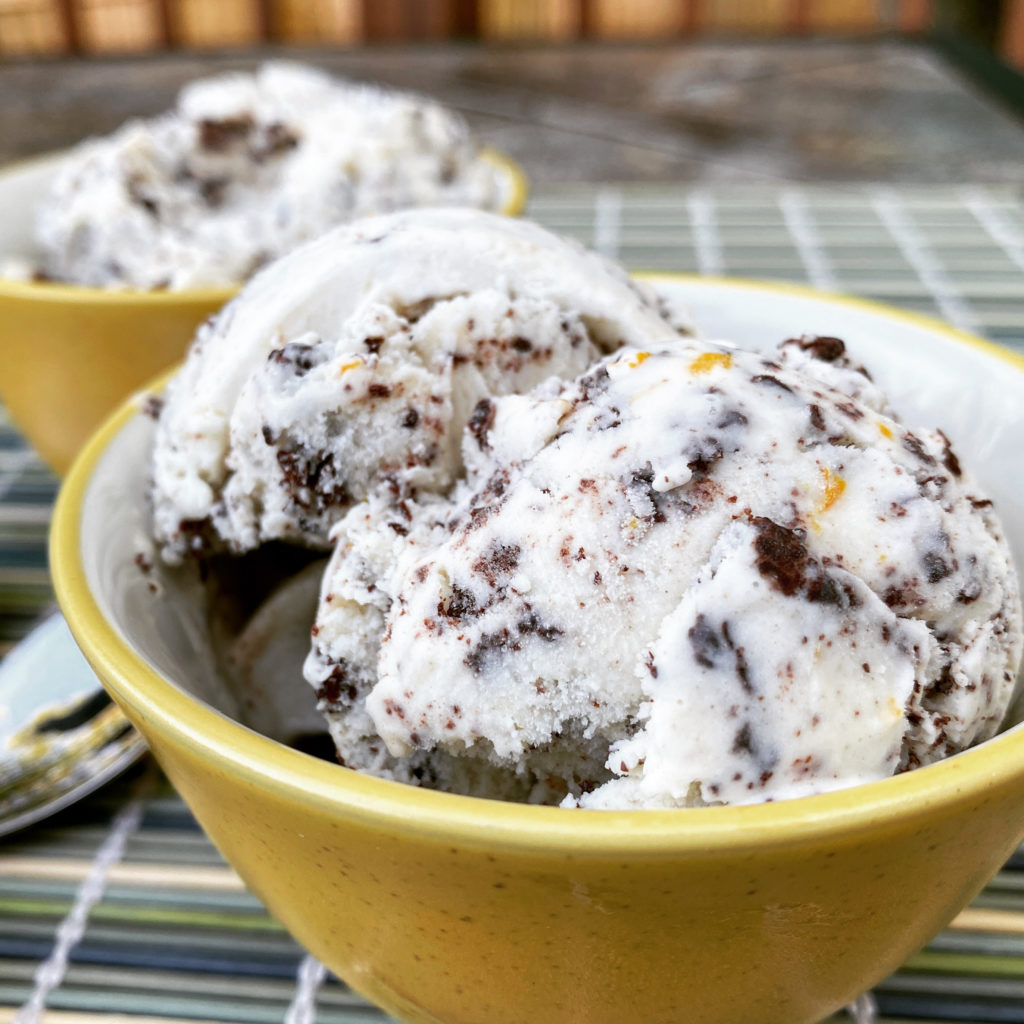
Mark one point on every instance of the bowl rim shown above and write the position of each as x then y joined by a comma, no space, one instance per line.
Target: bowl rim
61,292
443,817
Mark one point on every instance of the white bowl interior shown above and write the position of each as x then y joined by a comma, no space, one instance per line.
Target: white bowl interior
932,378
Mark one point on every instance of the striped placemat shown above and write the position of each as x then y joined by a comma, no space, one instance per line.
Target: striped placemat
121,908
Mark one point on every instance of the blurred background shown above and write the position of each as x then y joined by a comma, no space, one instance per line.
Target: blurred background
577,90
131,26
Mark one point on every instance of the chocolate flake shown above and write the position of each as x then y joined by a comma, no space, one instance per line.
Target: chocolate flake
297,357
499,560
460,604
936,567
277,138
311,479
769,379
914,445
949,459
218,135
827,349
732,418
480,422
153,406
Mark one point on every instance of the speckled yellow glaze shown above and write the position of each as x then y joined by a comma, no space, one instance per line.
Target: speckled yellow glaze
461,911
69,355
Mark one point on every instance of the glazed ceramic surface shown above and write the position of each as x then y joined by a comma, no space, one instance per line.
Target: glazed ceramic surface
69,354
455,910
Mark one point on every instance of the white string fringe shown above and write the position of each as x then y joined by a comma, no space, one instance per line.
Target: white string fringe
311,976
607,216
804,232
917,252
706,241
51,972
863,1010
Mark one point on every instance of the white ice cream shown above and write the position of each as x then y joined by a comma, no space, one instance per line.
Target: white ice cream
578,556
243,169
348,369
693,576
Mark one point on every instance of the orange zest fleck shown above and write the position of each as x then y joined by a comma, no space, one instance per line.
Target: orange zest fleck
709,360
345,367
638,359
834,487
884,431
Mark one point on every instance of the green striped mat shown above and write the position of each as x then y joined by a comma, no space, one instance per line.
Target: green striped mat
121,908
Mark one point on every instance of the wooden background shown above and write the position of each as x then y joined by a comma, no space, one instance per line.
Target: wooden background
35,27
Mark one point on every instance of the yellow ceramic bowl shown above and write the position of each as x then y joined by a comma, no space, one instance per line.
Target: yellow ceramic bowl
69,354
456,910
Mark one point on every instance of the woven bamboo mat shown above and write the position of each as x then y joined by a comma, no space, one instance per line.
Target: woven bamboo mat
120,907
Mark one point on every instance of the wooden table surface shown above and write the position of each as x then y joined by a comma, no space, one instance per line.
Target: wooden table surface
809,110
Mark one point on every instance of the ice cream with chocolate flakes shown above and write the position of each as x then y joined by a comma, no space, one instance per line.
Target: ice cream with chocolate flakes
348,370
243,169
691,576
576,555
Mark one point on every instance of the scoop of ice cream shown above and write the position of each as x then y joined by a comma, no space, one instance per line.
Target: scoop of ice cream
694,575
349,368
246,167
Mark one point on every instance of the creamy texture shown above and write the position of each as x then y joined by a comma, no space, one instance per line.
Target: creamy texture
348,370
575,556
692,576
243,169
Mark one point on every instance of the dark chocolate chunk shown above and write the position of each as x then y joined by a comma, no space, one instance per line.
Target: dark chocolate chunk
532,625
460,604
827,349
153,406
936,567
480,421
311,479
339,689
299,358
782,558
743,742
218,135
